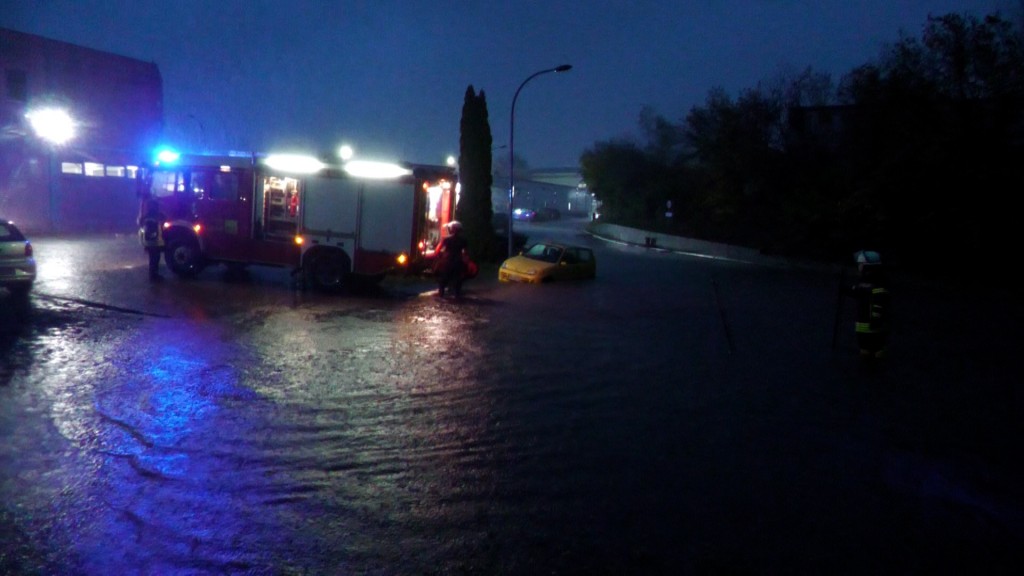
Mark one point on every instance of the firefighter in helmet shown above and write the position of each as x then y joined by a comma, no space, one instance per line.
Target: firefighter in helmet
151,235
452,269
871,292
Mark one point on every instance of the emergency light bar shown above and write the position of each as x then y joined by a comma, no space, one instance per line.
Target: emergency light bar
167,156
295,163
380,170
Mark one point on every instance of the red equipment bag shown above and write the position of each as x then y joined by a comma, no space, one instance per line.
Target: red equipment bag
470,268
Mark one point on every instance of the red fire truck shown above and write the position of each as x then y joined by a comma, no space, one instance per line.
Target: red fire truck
324,221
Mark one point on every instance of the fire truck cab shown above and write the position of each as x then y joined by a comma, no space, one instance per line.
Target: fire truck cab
324,221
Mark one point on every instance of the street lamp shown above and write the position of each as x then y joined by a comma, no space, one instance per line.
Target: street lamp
55,127
511,146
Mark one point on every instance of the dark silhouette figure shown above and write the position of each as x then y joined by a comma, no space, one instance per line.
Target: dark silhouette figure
151,222
452,269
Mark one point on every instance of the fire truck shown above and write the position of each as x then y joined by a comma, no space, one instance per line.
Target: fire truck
328,222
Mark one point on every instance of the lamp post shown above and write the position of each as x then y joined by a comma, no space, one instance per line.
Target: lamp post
511,146
55,127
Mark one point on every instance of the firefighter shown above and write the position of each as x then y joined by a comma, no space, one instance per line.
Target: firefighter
452,269
151,223
871,293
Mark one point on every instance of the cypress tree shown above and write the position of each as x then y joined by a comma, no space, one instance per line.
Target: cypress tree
474,208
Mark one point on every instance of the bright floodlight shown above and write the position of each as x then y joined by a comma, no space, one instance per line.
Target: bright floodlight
295,163
345,152
52,124
369,169
451,161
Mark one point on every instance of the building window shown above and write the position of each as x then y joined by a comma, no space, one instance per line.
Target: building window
17,85
93,169
71,168
117,171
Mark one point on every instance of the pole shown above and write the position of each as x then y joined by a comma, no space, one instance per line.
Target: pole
53,187
512,147
839,305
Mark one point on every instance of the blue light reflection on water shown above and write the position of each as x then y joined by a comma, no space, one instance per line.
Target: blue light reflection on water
173,488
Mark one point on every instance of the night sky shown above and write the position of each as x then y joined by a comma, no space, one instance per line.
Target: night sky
388,76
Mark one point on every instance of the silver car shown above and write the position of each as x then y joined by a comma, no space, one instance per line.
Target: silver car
17,265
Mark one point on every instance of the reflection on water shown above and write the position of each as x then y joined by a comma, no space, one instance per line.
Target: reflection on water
197,448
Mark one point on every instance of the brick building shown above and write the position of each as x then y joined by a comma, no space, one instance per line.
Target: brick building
87,183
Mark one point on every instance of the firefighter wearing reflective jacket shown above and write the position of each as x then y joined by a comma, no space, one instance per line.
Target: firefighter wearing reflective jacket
871,293
151,236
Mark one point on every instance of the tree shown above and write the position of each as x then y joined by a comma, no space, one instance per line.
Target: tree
936,126
501,166
474,208
615,171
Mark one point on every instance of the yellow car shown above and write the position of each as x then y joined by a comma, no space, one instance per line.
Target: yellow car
546,261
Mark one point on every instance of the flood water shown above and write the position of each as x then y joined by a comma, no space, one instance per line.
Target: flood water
658,420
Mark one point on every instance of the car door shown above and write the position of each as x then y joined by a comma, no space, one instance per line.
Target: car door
578,263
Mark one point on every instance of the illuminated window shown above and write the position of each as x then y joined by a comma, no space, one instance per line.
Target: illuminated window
71,168
93,169
132,171
165,183
117,171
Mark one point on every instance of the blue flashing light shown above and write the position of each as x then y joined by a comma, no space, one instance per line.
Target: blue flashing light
167,156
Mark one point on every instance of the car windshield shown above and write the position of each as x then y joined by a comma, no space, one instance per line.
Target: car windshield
8,233
545,252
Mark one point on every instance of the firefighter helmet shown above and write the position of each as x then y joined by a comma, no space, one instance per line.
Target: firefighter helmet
454,226
867,257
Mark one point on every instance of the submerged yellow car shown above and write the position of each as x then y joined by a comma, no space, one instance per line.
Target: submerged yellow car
546,261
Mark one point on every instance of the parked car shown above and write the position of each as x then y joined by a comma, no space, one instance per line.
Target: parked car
548,261
17,265
524,215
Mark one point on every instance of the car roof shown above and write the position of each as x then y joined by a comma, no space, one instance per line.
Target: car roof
16,235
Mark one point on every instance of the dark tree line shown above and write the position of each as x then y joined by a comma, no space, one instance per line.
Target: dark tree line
916,155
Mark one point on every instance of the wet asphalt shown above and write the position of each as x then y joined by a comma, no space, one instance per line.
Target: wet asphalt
678,415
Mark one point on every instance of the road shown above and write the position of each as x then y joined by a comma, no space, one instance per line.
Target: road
676,415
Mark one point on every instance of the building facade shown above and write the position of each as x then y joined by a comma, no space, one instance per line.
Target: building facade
115,107
562,189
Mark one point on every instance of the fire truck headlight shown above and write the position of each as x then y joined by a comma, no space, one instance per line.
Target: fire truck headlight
299,240
197,227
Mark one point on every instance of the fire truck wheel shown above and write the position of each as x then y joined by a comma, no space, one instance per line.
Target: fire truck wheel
327,271
182,256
